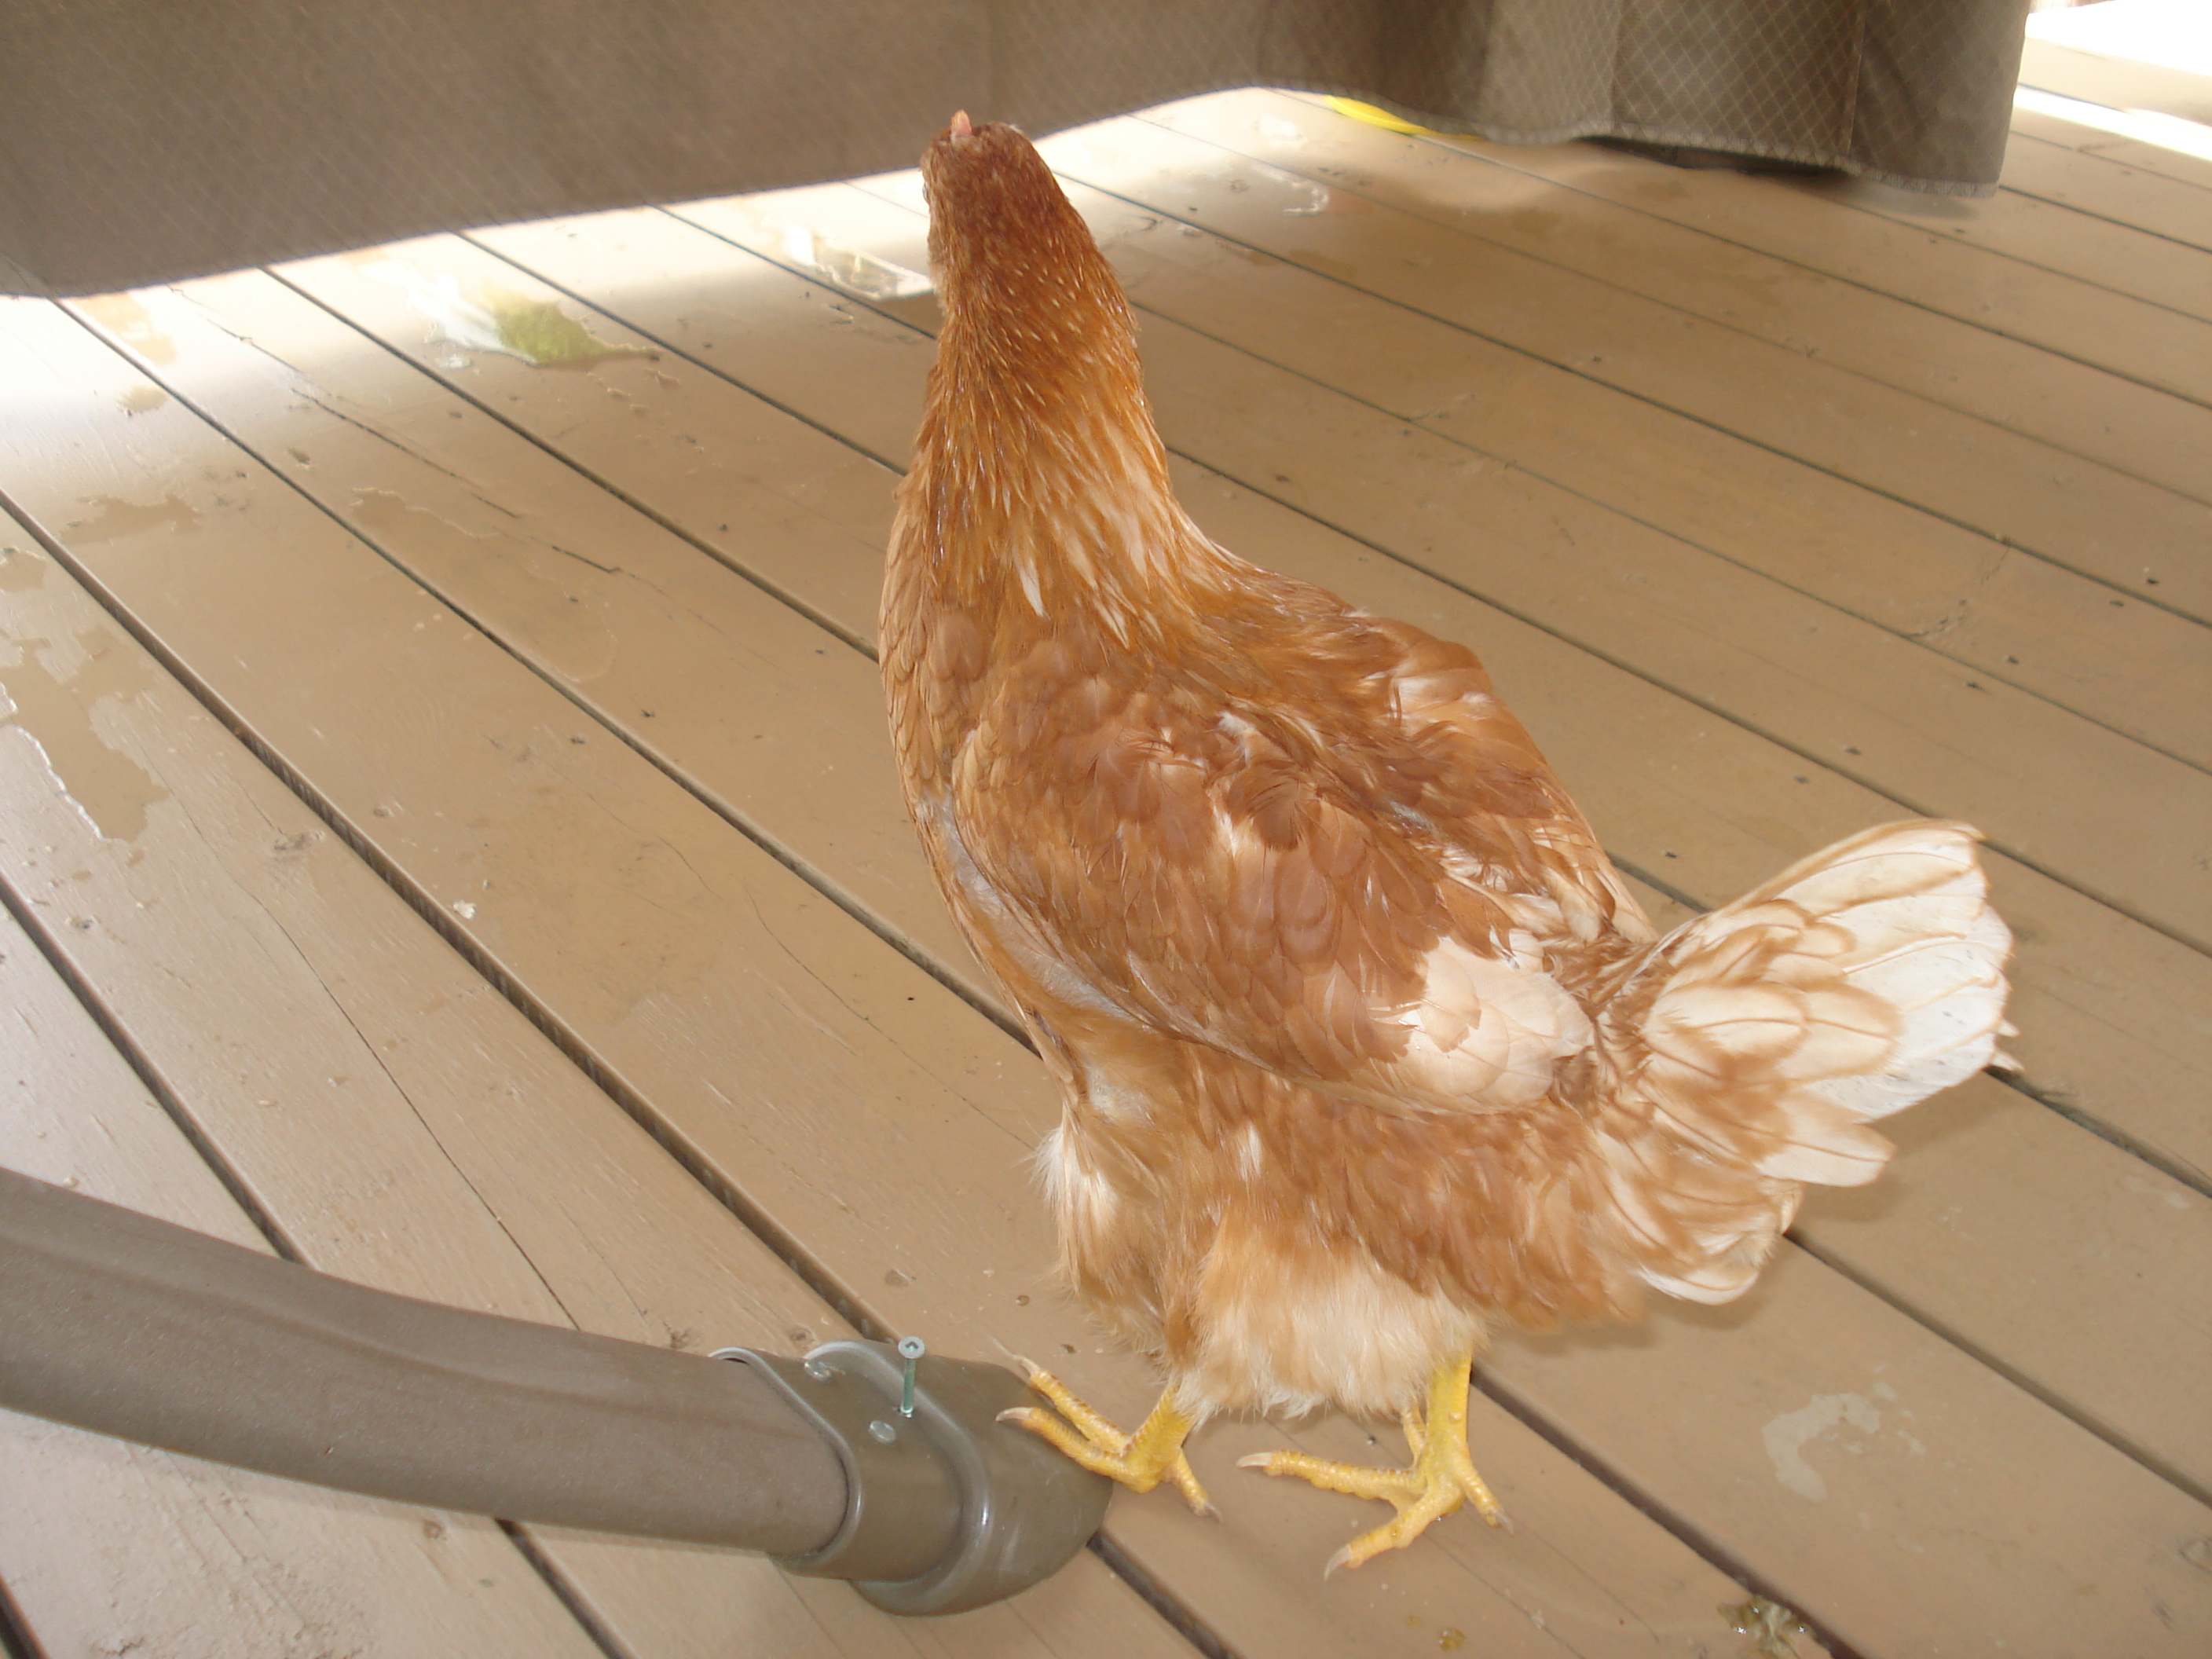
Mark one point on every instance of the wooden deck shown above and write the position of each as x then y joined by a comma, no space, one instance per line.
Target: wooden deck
450,838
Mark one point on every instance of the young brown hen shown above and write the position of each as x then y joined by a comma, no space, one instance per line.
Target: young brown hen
1364,1044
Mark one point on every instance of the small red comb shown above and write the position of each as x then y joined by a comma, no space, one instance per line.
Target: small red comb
961,127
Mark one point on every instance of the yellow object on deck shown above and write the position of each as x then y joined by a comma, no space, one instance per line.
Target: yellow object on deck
1378,118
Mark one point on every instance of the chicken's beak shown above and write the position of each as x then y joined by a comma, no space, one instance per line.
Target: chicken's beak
961,127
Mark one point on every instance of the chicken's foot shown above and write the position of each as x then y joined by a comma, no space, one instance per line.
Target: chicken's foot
1139,1462
1442,1477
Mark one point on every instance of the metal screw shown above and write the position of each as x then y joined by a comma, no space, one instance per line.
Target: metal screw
818,1370
910,1349
882,1431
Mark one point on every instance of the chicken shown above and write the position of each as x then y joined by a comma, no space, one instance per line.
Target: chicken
1364,1048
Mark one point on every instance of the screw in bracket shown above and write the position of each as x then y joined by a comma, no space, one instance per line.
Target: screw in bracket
910,1349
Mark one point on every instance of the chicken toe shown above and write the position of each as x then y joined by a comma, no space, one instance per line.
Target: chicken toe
1442,1476
1139,1462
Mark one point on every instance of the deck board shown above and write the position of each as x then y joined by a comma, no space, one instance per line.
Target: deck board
2021,620
127,1548
1666,351
1698,622
509,495
2111,135
401,1123
2124,83
576,655
2051,236
2102,999
2102,184
1977,332
892,1138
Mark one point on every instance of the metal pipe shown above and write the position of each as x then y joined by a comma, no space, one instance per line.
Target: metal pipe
115,1321
846,1464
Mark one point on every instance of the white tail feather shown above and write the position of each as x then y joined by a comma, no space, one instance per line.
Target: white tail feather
1765,1036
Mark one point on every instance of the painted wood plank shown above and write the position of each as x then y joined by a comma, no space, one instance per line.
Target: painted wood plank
2020,1290
611,605
1842,289
1697,624
623,615
2022,492
2101,183
2109,1009
873,1118
2163,145
322,709
1971,333
112,1548
2016,617
404,1124
2053,236
1845,1418
2138,669
2122,83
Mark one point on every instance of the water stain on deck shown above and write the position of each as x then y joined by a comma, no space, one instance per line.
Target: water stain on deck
117,518
129,321
21,570
1788,1436
54,712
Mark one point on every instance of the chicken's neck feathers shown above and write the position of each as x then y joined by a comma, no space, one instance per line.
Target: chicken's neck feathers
1040,483
1044,487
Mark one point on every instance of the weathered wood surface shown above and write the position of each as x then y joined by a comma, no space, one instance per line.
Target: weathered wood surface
108,1549
1988,335
2102,184
2038,495
400,1122
1600,725
492,486
2122,81
2114,1030
2130,139
567,630
840,1094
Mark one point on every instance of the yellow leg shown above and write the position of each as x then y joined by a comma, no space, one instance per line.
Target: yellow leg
1442,1477
1139,1462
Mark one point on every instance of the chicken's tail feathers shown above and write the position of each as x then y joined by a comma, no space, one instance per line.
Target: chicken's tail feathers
1750,1049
